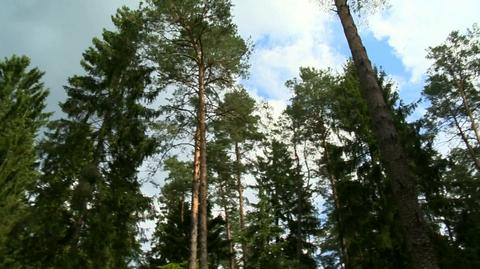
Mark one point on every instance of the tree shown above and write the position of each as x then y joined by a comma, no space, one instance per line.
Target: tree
453,91
198,50
330,113
221,173
239,127
22,101
279,228
402,178
89,188
173,228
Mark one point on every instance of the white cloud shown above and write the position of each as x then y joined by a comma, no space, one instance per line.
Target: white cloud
288,34
411,26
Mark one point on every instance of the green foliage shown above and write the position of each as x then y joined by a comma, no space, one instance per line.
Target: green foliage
22,101
174,266
89,188
284,205
452,89
360,227
172,233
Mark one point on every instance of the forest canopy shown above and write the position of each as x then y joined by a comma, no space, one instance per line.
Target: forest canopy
347,175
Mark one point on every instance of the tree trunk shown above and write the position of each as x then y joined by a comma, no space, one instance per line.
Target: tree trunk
338,218
195,189
466,105
203,172
464,138
299,192
419,246
229,239
240,202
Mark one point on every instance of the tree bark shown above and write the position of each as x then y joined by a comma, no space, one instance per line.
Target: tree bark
419,246
464,138
203,171
228,229
192,264
240,202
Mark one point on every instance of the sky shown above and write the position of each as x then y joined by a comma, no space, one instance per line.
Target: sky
286,34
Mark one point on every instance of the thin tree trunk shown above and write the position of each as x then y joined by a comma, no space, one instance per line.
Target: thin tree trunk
240,202
299,192
203,173
194,212
470,149
419,246
228,229
468,110
182,208
333,185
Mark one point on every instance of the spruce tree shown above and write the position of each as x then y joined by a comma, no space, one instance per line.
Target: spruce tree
90,188
22,101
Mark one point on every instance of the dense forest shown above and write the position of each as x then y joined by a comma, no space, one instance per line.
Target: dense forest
340,180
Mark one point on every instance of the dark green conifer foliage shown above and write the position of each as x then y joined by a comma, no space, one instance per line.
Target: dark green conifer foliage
172,233
199,53
276,226
22,101
88,202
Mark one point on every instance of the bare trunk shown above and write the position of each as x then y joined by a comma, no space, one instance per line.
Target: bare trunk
470,149
182,208
203,173
333,185
229,239
240,202
299,192
419,245
468,110
195,189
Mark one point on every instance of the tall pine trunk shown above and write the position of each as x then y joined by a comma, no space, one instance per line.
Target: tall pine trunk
419,246
203,170
194,212
240,203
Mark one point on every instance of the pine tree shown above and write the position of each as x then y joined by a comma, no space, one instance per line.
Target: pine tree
172,232
453,91
199,52
392,152
239,127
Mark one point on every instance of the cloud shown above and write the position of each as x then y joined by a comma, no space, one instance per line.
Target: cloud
287,34
411,26
54,35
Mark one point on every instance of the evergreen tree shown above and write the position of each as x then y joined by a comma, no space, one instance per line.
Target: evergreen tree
22,101
286,232
238,126
173,228
198,50
88,202
453,91
392,152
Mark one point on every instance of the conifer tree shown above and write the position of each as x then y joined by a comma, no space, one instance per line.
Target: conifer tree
198,52
22,101
392,152
89,189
